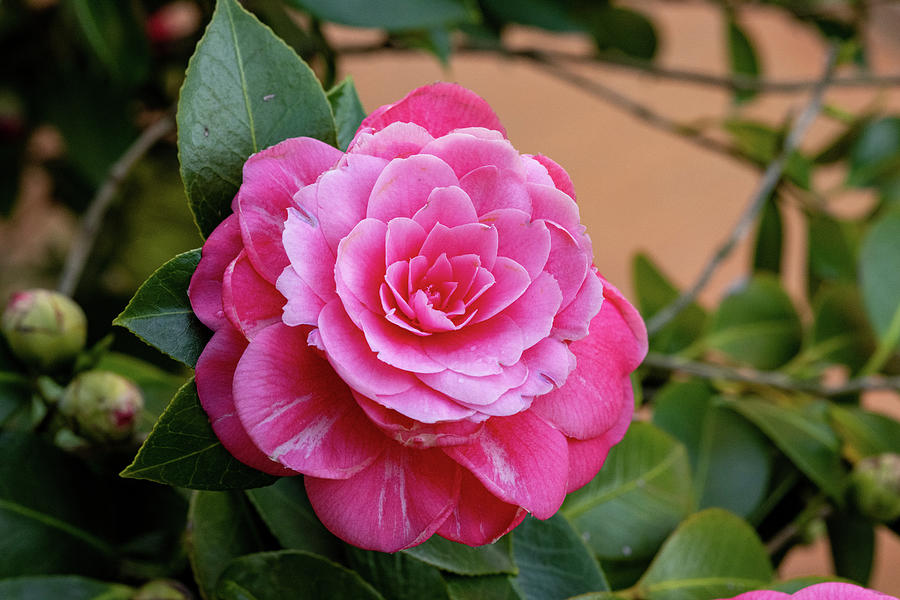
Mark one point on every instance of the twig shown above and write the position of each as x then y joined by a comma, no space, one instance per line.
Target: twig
770,378
93,216
769,180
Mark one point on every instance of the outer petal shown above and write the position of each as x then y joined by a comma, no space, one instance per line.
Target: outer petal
303,305
439,108
308,252
250,302
396,503
298,411
416,434
561,179
476,391
480,517
214,375
520,459
404,185
205,290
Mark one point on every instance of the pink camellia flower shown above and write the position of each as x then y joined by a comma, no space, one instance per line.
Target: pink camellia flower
416,326
820,591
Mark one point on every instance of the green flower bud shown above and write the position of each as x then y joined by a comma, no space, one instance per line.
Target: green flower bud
44,329
163,589
875,485
103,405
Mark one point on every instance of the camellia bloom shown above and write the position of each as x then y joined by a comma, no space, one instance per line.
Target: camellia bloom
416,326
820,591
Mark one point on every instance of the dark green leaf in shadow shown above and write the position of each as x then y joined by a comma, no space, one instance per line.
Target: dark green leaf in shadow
290,574
769,239
841,332
393,15
875,157
831,251
348,111
879,266
244,91
182,450
62,587
622,30
742,58
851,538
15,394
864,433
490,559
116,37
546,14
160,312
761,143
642,492
398,576
495,587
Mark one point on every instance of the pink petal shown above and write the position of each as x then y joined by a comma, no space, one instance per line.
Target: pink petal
251,303
214,376
342,195
492,189
404,185
415,434
396,503
476,391
509,403
449,206
568,263
520,459
478,348
465,153
535,309
439,108
556,206
425,405
403,240
474,238
480,517
261,228
308,253
303,305
525,241
510,282
633,354
572,322
535,172
396,347
360,265
397,140
561,179
205,290
296,409
586,457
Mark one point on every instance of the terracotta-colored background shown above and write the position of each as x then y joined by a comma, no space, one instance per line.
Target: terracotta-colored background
641,189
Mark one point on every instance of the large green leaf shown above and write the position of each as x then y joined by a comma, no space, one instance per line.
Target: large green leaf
713,554
221,527
348,111
804,435
54,517
879,266
641,493
160,312
840,332
290,574
457,558
62,587
554,562
244,91
875,156
864,433
287,512
182,450
757,324
393,15
398,576
741,57
716,440
495,587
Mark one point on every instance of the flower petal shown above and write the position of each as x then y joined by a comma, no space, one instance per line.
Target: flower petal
465,152
403,240
572,322
525,241
449,206
360,264
342,195
480,517
476,391
561,179
478,348
567,262
416,434
250,302
510,282
303,305
404,185
492,189
205,289
534,311
397,140
473,238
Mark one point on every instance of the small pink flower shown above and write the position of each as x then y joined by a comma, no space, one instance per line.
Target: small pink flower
820,591
416,326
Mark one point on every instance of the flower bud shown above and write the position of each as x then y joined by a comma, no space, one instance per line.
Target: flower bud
44,329
103,405
876,486
163,589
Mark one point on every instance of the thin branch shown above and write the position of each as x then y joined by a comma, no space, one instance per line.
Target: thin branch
769,180
816,510
93,216
771,378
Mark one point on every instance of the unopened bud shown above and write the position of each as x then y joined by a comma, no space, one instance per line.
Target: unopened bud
44,329
163,589
876,486
103,405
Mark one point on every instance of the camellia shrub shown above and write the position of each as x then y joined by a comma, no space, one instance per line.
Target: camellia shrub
395,371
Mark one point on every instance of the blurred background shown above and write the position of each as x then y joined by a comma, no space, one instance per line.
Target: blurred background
663,162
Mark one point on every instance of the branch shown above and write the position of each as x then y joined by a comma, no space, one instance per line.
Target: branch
770,378
769,180
93,216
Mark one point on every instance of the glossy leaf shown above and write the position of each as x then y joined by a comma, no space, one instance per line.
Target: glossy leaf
852,541
244,91
393,15
716,440
554,562
490,559
713,554
840,332
643,491
160,312
62,587
804,435
864,433
757,324
290,574
183,451
348,111
288,514
769,239
879,265
398,576
875,157
221,527
742,58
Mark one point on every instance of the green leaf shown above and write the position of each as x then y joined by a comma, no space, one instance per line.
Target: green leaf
840,332
546,14
804,435
398,576
182,450
495,587
864,433
716,440
62,587
115,36
15,394
287,512
221,527
761,144
875,157
879,266
742,58
769,239
554,562
757,324
831,251
290,574
642,492
160,312
51,518
393,15
244,91
792,586
348,111
852,541
490,559
157,386
713,554
622,30
654,291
